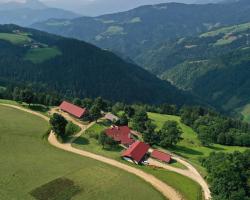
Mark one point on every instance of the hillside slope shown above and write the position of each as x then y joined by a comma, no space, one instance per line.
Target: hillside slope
77,69
215,66
140,32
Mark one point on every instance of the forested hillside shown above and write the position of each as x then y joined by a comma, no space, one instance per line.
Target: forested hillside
215,66
139,33
76,69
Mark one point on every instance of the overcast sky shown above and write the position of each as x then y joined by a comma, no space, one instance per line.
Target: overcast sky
97,7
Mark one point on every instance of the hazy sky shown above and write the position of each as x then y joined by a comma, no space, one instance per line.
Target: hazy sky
97,7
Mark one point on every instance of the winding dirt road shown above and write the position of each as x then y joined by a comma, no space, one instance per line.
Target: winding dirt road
169,192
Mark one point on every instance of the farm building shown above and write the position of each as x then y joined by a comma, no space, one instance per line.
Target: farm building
72,109
120,134
136,152
164,157
111,117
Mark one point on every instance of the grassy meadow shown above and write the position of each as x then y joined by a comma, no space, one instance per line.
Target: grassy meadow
190,147
15,38
30,167
40,55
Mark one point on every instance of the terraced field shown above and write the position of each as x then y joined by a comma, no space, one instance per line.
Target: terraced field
31,169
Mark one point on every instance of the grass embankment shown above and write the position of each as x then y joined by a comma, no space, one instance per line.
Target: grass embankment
187,187
190,147
29,165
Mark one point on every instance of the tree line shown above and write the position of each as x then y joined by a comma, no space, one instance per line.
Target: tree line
213,127
229,175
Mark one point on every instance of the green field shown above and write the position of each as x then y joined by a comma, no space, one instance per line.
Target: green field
187,187
246,113
15,38
29,164
190,147
40,55
227,30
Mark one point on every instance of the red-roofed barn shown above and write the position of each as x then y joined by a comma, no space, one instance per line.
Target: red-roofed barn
136,151
161,156
72,109
120,134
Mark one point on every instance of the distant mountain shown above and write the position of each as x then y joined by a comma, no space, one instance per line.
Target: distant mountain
30,12
77,69
215,65
139,33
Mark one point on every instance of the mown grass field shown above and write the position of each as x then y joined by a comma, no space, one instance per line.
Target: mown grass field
40,55
15,38
190,147
187,187
28,163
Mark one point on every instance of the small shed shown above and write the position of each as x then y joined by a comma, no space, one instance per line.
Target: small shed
159,155
111,117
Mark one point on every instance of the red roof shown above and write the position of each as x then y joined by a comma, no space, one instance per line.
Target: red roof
120,134
136,151
72,109
161,156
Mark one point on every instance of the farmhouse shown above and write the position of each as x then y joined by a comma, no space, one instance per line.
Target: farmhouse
164,157
72,109
136,152
120,134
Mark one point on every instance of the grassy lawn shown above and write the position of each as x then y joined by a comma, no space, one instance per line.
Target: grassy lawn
190,147
187,187
40,55
28,165
15,38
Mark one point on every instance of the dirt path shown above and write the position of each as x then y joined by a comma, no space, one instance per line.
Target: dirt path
169,192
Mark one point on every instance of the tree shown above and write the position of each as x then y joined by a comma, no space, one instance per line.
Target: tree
100,103
71,129
95,113
87,103
16,95
106,140
139,120
170,134
129,111
77,102
102,139
150,136
58,124
27,96
123,121
204,135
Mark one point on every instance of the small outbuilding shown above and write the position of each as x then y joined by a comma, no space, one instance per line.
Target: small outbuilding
72,109
111,117
136,152
159,155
